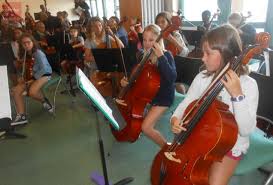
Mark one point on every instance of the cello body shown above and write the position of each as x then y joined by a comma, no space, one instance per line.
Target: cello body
107,83
213,136
135,101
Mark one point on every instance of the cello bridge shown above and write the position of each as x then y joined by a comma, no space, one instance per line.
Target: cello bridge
170,156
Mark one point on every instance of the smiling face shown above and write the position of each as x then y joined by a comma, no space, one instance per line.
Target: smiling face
211,58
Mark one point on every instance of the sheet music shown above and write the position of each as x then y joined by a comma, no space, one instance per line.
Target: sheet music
5,109
89,89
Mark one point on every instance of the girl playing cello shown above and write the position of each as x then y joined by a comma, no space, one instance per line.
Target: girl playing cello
39,75
174,42
165,95
98,38
220,45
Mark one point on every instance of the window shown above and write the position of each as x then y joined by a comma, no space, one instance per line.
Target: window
111,8
194,8
258,10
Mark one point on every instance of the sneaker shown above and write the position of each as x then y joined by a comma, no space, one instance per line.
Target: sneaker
20,119
47,105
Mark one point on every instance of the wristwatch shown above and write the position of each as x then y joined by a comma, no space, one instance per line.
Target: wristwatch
237,98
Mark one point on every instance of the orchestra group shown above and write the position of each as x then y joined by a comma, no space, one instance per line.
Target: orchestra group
53,44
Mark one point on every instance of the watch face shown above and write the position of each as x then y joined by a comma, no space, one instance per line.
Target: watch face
240,98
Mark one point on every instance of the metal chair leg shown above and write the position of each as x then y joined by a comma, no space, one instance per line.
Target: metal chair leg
269,179
55,93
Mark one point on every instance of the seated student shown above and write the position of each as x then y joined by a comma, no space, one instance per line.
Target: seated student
98,38
37,73
207,22
40,35
164,98
247,31
174,41
136,29
117,28
74,51
240,93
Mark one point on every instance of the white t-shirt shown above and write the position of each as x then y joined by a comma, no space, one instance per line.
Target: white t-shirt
243,111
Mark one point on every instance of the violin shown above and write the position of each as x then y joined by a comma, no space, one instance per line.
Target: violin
142,87
26,67
49,50
210,121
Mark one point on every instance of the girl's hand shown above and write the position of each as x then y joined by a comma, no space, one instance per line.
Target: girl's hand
170,38
158,50
176,125
232,84
124,82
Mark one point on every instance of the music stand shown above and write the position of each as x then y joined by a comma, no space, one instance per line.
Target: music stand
37,16
114,117
187,68
110,60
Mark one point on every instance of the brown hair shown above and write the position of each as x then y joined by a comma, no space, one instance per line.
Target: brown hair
21,48
226,40
165,15
89,29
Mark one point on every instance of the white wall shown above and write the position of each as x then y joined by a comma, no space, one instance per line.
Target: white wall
52,5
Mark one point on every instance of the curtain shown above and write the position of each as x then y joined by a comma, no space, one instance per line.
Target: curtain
269,20
225,7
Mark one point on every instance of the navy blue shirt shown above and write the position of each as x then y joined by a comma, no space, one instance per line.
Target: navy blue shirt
167,70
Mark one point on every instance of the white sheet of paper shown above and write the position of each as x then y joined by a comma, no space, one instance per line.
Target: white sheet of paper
5,109
91,91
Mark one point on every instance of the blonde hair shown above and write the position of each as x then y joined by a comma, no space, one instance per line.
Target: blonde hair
155,29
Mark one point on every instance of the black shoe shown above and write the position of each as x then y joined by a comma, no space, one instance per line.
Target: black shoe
47,105
20,119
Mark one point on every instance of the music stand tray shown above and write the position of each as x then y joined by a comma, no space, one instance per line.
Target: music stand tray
100,105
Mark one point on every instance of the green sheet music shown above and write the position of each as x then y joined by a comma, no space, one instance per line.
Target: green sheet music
93,94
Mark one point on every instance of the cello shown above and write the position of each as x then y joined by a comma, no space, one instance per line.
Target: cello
133,99
208,120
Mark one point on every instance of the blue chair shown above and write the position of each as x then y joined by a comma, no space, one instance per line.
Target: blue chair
261,140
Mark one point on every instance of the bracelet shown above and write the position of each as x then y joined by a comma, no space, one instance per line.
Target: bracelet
237,98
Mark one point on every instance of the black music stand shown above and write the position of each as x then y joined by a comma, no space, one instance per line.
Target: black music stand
110,60
113,116
187,68
37,16
194,38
